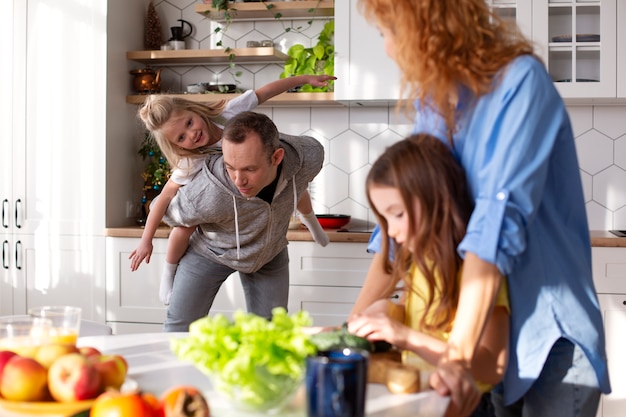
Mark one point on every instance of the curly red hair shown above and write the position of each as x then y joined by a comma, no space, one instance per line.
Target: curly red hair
444,46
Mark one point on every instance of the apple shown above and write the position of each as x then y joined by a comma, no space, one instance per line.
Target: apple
73,377
5,355
47,354
89,351
112,370
24,379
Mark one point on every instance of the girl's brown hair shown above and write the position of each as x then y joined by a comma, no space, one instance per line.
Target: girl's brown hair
158,109
426,174
446,47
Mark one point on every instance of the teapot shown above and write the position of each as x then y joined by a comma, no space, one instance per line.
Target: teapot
147,80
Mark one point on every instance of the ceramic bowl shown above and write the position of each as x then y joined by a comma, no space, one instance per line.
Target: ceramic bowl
333,221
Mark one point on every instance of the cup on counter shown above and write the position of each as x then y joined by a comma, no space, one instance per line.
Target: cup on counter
336,382
65,322
24,334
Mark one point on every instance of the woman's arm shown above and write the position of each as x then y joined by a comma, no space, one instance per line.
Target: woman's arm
480,280
157,211
280,86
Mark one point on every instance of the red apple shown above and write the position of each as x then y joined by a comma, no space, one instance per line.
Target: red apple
24,379
47,354
89,351
73,377
112,370
5,355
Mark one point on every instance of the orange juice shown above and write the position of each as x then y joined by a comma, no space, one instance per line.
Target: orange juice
22,345
63,337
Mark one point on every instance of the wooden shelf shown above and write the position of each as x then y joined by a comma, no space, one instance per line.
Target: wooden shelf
309,9
281,100
208,56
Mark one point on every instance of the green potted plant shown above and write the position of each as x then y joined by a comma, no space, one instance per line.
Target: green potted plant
319,59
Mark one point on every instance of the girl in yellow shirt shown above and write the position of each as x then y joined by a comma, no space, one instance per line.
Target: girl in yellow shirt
419,195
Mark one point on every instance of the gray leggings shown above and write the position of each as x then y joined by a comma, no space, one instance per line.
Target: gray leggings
198,280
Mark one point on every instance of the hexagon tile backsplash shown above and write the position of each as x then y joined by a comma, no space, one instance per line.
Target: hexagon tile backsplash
354,137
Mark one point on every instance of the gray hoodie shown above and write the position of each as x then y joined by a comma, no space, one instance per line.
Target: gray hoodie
239,232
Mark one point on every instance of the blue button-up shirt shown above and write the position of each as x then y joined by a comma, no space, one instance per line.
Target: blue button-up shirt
517,148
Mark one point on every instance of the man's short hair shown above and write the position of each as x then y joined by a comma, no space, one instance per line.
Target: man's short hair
240,126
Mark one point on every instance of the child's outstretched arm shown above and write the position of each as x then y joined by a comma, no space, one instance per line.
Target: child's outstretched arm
274,88
157,211
308,218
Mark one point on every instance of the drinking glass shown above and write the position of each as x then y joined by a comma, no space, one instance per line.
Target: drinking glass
65,322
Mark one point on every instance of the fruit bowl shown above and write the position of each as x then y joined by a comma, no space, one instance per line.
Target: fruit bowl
31,408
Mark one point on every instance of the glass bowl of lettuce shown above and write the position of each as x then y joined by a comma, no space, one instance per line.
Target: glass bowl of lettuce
253,363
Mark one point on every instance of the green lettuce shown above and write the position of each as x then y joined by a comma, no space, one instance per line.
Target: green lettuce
250,359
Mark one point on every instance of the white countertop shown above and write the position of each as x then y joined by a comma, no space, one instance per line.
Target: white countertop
155,368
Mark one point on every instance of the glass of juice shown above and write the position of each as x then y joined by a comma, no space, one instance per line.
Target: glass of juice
23,334
65,322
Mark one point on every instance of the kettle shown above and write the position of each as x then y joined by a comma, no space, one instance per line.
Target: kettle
177,41
147,80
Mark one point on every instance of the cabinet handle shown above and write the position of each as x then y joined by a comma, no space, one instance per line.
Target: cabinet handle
18,205
18,249
5,254
5,210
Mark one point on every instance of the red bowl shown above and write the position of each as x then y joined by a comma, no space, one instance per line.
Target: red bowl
333,221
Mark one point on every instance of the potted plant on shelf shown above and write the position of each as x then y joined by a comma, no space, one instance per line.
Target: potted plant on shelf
319,59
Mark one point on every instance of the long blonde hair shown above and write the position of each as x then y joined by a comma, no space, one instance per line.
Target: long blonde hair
444,47
158,109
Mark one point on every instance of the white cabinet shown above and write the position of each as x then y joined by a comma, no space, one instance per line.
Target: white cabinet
366,75
326,281
132,298
609,275
363,69
53,147
578,42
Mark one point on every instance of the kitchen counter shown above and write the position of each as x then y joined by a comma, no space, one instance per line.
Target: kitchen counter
301,234
599,238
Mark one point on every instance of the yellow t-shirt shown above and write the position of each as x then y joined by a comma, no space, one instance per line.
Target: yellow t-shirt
415,309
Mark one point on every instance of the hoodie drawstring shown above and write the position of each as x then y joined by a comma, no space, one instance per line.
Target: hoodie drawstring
236,226
295,198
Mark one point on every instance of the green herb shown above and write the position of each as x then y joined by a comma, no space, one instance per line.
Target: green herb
256,360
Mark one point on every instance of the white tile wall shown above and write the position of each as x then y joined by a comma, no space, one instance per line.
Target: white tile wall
354,137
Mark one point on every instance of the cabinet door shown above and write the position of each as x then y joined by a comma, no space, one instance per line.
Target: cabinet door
326,281
621,49
133,297
609,270
328,306
614,312
60,138
577,41
363,69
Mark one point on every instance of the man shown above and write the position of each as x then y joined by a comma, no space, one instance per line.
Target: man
241,201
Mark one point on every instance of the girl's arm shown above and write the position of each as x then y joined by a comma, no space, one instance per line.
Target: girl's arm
376,286
157,211
384,320
280,86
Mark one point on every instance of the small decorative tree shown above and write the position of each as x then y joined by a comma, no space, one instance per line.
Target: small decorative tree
155,174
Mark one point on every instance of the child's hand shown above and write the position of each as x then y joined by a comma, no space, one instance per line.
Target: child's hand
319,80
143,251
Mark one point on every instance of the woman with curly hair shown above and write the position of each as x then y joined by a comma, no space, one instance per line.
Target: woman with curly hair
476,84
